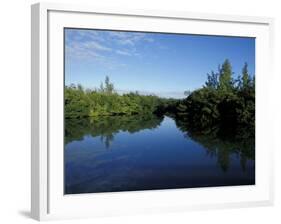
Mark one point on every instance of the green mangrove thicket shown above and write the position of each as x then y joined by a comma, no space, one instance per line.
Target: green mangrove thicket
222,101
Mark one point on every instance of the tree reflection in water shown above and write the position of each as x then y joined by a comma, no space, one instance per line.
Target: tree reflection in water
220,142
108,126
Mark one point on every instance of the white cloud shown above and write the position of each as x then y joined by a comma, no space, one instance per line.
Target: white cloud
129,38
101,46
85,50
122,52
92,45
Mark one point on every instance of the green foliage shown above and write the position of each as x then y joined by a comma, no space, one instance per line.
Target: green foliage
106,102
221,101
76,103
212,80
109,87
225,76
246,80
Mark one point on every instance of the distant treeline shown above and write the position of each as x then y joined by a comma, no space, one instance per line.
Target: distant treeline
105,101
222,101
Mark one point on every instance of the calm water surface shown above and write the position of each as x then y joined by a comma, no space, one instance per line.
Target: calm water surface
144,153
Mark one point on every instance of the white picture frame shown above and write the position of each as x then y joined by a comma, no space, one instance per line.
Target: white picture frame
47,198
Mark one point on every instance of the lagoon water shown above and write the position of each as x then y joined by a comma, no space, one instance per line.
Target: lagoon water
112,154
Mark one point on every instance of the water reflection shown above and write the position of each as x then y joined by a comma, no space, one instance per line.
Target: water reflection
107,127
125,153
222,141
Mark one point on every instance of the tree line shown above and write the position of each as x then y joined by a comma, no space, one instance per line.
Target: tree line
105,101
222,101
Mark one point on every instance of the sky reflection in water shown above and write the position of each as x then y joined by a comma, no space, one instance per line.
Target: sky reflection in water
145,153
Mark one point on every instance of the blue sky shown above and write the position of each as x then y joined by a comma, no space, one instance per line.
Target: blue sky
151,63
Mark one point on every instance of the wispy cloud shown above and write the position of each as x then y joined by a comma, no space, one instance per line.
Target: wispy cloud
93,45
130,38
123,52
81,52
103,45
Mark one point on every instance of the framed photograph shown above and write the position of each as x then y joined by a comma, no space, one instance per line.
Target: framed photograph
148,111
